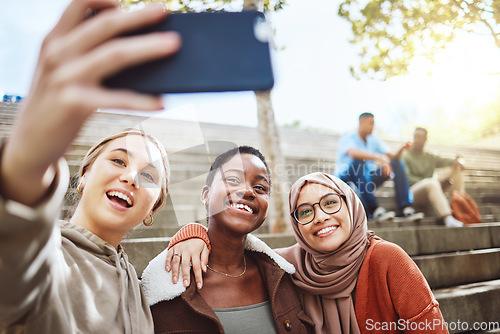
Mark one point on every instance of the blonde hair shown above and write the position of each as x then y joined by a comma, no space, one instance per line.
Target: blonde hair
95,150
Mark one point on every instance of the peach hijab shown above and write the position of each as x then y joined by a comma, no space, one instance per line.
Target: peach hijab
326,281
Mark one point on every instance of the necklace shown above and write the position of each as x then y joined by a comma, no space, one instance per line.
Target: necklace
232,276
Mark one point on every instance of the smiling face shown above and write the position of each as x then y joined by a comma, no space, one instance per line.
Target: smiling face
326,232
238,197
121,187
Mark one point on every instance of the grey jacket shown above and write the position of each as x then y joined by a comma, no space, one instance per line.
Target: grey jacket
60,278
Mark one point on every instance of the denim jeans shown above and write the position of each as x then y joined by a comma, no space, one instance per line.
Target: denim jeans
366,184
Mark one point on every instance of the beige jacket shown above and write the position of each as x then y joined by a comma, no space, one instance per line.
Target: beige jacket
60,278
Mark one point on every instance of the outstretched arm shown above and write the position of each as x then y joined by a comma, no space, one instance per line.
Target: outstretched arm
66,89
382,159
359,154
397,154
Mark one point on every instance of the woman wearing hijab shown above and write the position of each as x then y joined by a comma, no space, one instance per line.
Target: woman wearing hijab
349,280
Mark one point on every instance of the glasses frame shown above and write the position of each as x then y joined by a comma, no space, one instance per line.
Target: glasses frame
293,214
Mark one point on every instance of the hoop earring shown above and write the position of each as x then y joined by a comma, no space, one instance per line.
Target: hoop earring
79,188
150,222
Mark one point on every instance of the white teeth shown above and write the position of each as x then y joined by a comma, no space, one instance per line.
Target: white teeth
120,195
326,230
241,206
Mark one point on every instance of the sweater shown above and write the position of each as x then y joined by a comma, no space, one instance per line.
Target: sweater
421,166
179,310
391,287
59,278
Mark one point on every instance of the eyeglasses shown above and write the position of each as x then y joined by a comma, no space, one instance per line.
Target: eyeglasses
329,204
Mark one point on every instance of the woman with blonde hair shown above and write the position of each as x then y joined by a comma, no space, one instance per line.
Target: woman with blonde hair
74,277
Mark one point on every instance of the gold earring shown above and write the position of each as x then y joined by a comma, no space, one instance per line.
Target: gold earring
150,222
79,189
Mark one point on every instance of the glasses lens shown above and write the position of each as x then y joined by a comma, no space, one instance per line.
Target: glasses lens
331,203
304,213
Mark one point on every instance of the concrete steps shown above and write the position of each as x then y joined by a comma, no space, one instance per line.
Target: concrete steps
452,269
471,308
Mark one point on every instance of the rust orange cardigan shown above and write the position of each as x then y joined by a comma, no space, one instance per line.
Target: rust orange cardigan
390,287
392,295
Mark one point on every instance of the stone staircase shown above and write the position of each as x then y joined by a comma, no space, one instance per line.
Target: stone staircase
462,265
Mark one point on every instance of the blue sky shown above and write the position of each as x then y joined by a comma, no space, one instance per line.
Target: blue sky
313,83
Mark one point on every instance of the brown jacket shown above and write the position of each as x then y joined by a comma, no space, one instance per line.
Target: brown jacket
189,312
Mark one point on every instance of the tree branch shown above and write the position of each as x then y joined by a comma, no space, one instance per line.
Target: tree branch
495,35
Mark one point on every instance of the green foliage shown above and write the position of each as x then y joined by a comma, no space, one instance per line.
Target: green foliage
390,33
202,5
296,124
477,122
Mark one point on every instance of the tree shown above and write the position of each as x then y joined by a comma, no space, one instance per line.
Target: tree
204,5
390,33
268,130
270,142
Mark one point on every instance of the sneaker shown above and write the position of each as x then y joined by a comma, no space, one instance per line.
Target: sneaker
381,215
450,221
410,215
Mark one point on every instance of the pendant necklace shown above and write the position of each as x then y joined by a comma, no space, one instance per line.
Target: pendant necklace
228,275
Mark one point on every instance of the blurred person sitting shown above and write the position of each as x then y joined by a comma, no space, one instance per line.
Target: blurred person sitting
365,161
428,188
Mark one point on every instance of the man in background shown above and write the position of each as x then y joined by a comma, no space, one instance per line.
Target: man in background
427,189
365,163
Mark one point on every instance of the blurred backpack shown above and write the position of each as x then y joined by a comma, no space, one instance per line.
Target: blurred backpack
464,208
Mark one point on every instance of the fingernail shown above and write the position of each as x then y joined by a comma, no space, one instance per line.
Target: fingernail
204,268
186,283
175,279
199,285
167,268
172,38
156,7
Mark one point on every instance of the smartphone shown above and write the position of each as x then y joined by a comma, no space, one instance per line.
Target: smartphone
221,51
